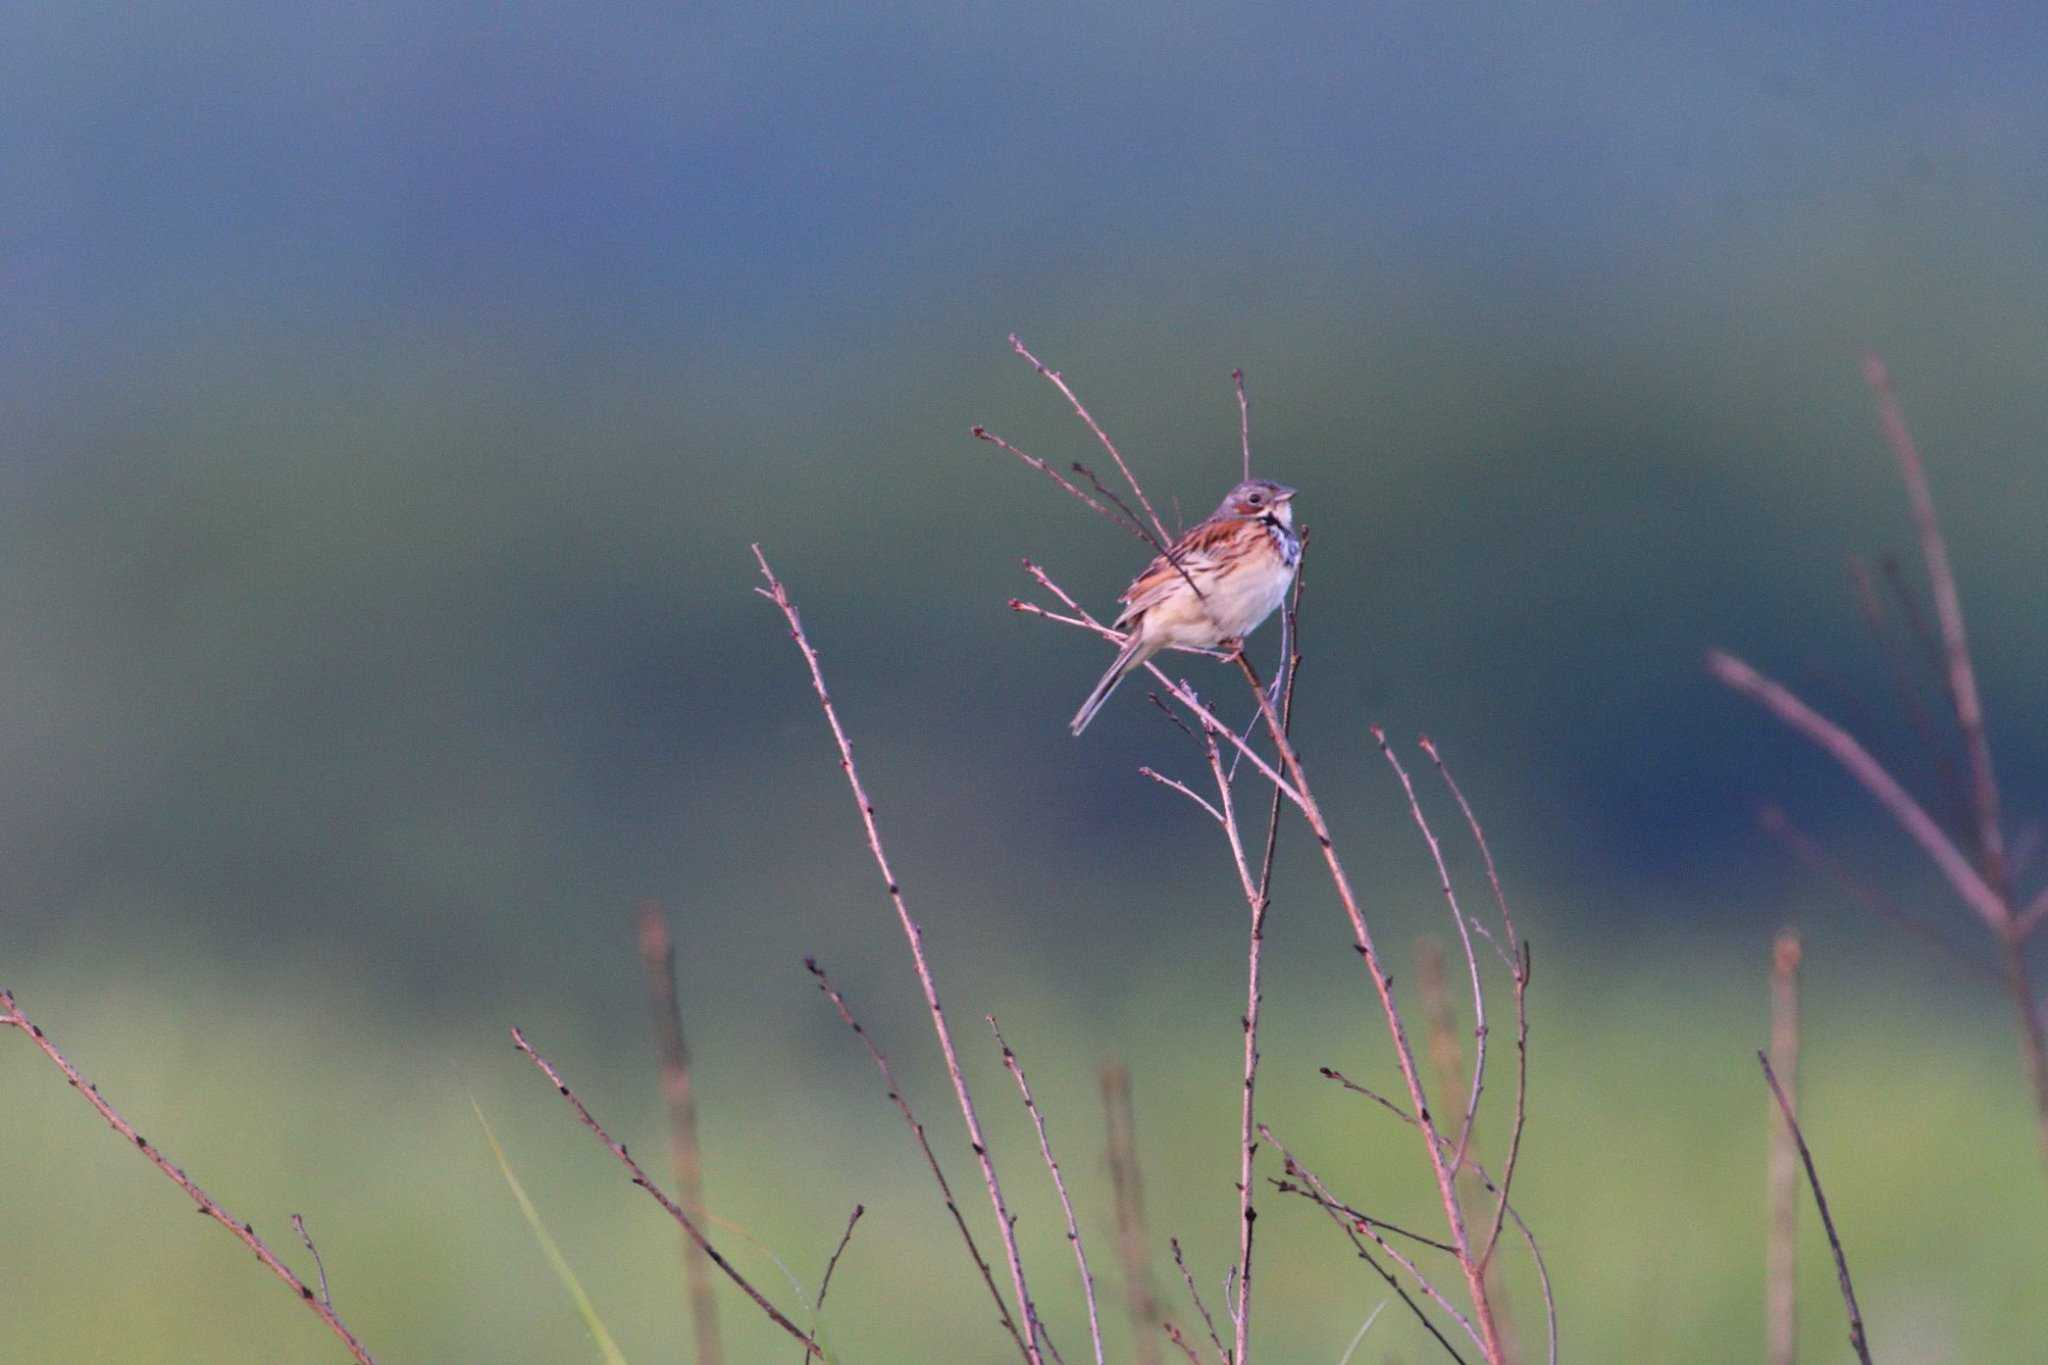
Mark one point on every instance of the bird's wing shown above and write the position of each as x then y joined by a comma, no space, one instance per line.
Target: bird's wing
1194,552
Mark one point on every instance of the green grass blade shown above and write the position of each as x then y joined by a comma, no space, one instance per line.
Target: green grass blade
606,1347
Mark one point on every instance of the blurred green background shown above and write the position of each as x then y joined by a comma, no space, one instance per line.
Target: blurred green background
392,393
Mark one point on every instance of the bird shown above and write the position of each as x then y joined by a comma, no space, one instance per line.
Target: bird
1215,584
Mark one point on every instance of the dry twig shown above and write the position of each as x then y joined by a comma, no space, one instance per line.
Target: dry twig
902,1104
658,957
1856,1337
1005,1223
1781,1283
1351,1225
244,1232
1127,1192
1016,1070
674,1210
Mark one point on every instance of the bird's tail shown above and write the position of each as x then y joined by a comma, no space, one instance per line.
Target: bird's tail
1129,657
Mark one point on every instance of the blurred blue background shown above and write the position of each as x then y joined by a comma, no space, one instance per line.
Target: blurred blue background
393,393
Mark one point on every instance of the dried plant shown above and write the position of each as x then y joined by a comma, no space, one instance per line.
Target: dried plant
1857,1341
322,1303
1982,878
1781,1229
658,959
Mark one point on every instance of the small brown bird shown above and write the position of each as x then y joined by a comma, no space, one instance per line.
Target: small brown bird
1239,560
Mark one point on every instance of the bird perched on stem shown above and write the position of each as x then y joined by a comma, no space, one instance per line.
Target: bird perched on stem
1213,586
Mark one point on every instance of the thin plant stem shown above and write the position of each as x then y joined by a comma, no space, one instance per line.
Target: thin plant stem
1383,984
658,959
1289,1187
319,1266
1443,876
1188,1278
673,1209
1844,748
1060,383
320,1303
1781,1246
1247,1144
924,1145
832,1264
1351,1229
981,433
1988,901
1516,958
1173,1335
1059,1184
1948,611
1809,851
1486,1182
914,935
1244,422
1857,1340
1127,1192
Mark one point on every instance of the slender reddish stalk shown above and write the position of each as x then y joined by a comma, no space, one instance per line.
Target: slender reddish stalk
1948,610
1781,1247
674,1210
1188,1278
1487,1183
1404,1052
1005,1223
1059,382
1843,747
1857,1339
924,1145
1016,1069
1127,1192
658,957
1443,876
245,1233
1343,1215
1514,955
1990,905
1247,1144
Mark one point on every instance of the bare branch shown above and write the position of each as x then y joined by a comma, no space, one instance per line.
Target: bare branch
319,1266
1383,984
1173,1335
1856,1337
1948,610
825,1284
1486,1181
1128,1193
1244,422
322,1306
1443,875
902,1104
1005,1224
1808,850
1188,1279
1781,1246
675,1211
1061,384
658,958
1129,525
1843,747
1185,790
1289,1187
1339,1214
1016,1069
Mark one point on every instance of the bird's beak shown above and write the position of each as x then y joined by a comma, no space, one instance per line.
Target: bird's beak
1286,494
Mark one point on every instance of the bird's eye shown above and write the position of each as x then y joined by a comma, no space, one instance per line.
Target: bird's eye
1256,498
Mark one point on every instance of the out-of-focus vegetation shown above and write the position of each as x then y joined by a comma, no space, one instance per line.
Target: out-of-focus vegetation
391,397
